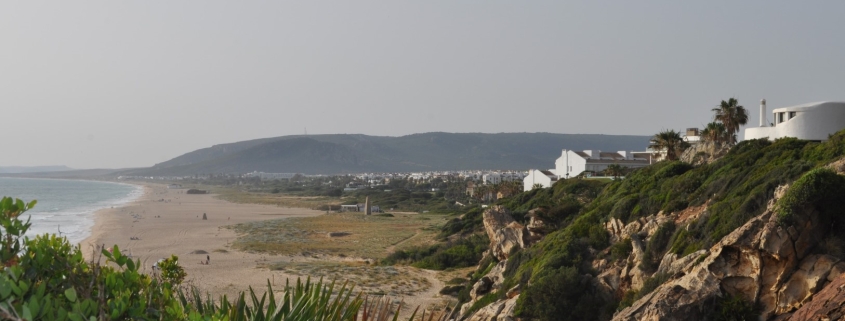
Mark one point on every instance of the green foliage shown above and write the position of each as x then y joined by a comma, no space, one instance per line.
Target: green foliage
649,285
560,294
734,308
171,272
655,247
470,222
621,250
820,188
14,228
461,253
670,142
482,302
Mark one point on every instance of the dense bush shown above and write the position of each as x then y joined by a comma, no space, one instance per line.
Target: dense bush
655,247
560,294
734,308
461,253
821,189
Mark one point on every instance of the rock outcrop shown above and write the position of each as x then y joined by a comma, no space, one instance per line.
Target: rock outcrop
506,235
704,153
495,218
498,311
763,262
827,305
644,227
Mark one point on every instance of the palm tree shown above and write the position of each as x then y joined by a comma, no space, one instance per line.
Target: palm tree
732,115
670,142
715,132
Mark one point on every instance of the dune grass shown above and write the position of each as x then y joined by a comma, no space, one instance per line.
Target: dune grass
369,237
371,279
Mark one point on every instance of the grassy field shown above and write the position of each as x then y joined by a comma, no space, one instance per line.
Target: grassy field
369,237
374,280
239,196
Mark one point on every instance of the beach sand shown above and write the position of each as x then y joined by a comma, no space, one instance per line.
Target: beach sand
168,221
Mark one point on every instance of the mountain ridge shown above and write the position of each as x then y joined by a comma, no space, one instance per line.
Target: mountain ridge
352,153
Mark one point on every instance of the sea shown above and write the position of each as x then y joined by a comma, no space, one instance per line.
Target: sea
67,206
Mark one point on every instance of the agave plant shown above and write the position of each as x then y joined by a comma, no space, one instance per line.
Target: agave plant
313,301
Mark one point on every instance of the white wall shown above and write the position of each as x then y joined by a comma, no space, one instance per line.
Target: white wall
569,163
535,176
811,122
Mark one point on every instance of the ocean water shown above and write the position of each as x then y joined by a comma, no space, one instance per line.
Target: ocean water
67,205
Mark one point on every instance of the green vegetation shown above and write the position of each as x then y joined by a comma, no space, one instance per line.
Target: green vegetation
655,247
369,236
669,141
560,294
731,115
734,308
341,153
621,250
460,253
820,188
649,285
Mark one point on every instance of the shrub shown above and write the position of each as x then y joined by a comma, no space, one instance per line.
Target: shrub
461,253
734,308
621,250
656,244
560,294
821,188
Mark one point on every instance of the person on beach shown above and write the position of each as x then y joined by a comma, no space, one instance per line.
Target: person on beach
208,259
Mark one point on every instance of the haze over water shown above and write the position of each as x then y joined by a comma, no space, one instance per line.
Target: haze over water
67,205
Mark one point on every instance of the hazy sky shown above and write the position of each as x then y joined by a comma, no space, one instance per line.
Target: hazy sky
120,84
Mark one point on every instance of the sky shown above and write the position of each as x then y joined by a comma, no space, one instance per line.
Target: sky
115,84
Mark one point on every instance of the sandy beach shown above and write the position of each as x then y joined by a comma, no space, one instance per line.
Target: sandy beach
166,221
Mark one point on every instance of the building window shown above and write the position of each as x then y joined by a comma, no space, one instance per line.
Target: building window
791,115
780,118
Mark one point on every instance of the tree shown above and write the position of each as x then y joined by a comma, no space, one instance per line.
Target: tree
669,142
732,115
715,132
614,170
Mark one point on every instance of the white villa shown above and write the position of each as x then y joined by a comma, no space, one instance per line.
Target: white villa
536,176
813,121
572,163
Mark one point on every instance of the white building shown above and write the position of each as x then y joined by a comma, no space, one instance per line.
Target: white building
512,176
813,121
492,178
572,163
536,176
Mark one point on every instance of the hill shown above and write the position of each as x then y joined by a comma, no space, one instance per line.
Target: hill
754,234
350,153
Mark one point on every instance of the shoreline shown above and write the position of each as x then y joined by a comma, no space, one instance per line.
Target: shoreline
169,222
163,222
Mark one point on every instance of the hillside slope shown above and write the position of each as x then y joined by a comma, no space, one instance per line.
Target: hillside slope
342,153
753,234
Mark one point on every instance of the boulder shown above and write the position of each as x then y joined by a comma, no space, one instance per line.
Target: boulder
537,227
501,310
490,282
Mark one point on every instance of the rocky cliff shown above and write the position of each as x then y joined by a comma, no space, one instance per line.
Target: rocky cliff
752,235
